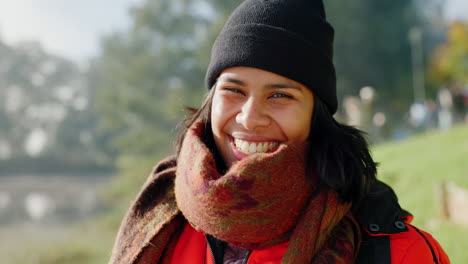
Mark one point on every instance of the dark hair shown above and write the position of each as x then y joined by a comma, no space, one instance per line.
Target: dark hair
340,156
338,153
204,114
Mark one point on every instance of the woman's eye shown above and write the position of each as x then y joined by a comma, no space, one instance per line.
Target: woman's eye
280,95
234,90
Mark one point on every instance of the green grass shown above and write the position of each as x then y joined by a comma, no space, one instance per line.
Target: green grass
415,167
84,243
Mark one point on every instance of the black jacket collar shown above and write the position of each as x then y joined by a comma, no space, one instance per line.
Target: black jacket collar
379,213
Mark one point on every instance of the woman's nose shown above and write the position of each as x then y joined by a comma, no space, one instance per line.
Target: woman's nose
253,115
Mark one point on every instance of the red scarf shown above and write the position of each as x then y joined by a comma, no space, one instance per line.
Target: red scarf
263,200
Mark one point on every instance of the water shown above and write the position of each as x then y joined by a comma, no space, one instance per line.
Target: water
37,211
55,199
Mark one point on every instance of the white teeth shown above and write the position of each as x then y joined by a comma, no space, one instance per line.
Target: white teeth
254,147
265,147
244,147
260,147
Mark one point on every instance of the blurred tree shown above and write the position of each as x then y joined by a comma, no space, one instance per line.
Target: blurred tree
34,85
43,112
372,47
449,62
146,75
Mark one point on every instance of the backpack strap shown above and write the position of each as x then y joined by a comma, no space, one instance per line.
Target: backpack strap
434,256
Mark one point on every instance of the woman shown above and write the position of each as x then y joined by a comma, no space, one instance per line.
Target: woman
263,173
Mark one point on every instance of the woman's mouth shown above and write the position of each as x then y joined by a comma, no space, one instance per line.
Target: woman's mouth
248,147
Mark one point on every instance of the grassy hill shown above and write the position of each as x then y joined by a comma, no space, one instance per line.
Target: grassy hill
415,167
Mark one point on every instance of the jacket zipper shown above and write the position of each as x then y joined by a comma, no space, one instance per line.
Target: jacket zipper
246,258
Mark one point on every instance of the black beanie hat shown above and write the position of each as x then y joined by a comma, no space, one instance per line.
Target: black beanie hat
288,37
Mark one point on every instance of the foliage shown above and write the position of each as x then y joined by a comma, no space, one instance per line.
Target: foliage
372,48
144,76
449,63
33,83
43,94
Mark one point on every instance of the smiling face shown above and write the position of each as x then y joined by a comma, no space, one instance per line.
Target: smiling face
255,111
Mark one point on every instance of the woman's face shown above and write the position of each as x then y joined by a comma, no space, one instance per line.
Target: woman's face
256,111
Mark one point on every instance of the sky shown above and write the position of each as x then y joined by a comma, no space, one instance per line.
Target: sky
73,28
68,28
457,9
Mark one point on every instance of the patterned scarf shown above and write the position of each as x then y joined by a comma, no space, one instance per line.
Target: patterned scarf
263,200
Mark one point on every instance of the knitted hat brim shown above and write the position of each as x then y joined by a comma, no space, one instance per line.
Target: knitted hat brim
275,50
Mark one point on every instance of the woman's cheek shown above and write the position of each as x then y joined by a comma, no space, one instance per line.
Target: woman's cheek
220,111
217,108
295,125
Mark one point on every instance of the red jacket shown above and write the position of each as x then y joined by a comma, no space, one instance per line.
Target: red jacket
408,247
387,237
386,233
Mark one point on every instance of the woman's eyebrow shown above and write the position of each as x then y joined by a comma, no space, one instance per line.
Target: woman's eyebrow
283,86
231,80
268,86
